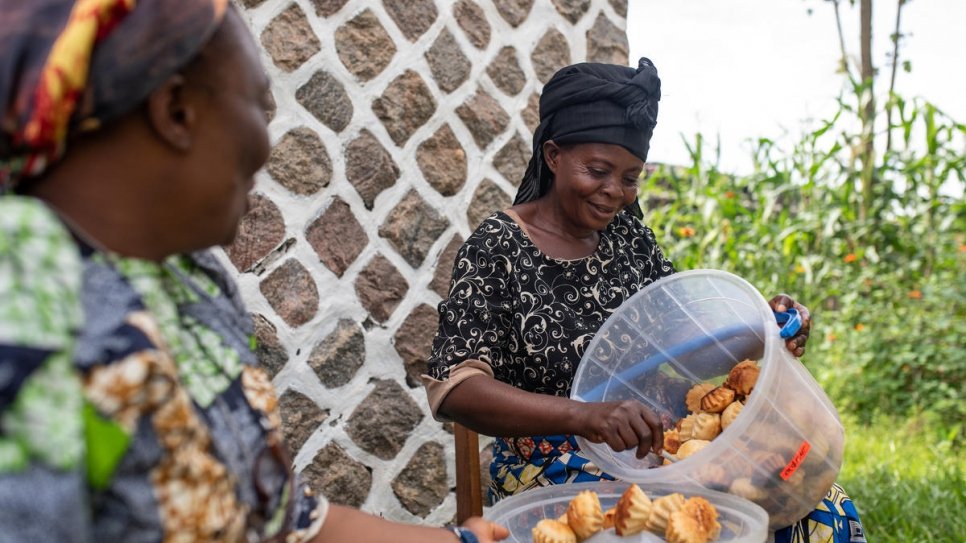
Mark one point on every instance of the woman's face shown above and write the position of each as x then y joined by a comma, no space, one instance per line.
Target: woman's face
593,182
232,144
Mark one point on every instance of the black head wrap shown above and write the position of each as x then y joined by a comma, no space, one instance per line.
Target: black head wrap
594,103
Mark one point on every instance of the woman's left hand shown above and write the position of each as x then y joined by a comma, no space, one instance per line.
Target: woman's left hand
796,343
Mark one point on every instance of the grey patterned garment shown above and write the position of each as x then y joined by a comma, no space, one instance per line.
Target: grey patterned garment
530,316
131,408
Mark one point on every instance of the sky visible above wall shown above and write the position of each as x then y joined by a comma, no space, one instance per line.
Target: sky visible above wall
740,69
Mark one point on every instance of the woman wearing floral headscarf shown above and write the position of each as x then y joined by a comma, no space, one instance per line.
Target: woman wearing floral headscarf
533,284
131,408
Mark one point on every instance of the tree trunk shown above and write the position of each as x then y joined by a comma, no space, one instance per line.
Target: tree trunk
896,36
867,72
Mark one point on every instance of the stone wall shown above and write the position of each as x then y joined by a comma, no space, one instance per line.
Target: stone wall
398,126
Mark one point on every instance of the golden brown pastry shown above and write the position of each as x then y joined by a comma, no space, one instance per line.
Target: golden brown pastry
742,377
705,513
584,515
661,511
695,522
682,529
672,440
633,511
717,400
693,398
686,427
707,426
609,518
690,447
551,531
730,414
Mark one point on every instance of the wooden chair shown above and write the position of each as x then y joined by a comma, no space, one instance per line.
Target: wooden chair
469,498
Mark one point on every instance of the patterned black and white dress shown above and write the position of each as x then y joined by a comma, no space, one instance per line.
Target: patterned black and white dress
529,317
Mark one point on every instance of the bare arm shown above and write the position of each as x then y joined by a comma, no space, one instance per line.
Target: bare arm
347,525
495,408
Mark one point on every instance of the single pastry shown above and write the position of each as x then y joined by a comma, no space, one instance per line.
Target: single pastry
693,398
632,512
686,428
690,447
682,529
717,400
552,531
707,426
695,522
584,515
661,511
705,514
742,377
730,414
672,440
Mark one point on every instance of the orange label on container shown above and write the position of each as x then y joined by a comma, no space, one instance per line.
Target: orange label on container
796,460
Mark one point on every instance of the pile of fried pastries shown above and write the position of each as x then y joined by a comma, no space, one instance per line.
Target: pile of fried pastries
679,519
712,409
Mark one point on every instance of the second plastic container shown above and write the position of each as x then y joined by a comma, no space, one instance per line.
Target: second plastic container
783,451
740,520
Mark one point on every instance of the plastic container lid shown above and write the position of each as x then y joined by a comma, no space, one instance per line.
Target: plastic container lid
785,448
741,521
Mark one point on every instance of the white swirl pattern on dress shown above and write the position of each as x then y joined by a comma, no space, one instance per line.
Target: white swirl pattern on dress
531,316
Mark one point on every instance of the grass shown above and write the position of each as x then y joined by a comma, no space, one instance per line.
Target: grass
907,479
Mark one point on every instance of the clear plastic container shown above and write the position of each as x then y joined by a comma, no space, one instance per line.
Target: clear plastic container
741,521
785,448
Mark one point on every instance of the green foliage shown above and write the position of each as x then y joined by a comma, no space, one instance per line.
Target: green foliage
907,480
887,292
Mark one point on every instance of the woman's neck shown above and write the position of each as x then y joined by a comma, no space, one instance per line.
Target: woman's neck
555,236
103,214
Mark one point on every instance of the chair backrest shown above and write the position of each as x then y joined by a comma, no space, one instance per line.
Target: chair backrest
469,497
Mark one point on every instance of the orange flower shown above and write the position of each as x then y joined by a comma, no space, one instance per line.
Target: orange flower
729,194
831,337
962,248
685,231
915,294
859,327
849,258
799,268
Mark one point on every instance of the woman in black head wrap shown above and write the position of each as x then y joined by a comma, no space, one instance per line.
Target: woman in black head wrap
533,284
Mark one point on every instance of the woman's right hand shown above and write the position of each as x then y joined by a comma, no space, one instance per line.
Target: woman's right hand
486,531
622,425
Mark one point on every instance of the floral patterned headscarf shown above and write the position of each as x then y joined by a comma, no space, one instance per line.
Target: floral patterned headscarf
69,66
